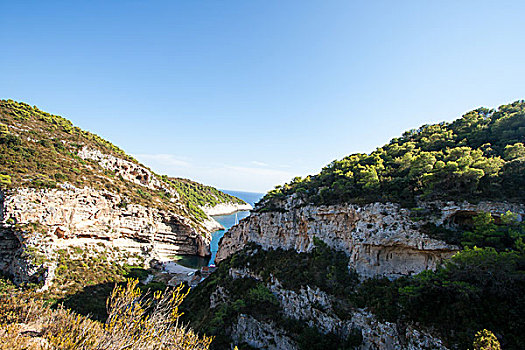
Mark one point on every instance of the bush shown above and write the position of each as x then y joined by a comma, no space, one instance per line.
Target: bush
135,322
5,179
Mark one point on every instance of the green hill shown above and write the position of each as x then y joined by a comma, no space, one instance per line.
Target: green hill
40,150
479,156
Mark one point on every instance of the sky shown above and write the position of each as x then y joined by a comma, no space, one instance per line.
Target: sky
246,95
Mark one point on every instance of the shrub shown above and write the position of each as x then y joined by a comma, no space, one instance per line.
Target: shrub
486,340
136,321
5,179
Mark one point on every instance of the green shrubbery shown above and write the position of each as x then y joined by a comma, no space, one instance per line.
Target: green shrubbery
41,151
478,288
201,195
323,267
197,195
479,156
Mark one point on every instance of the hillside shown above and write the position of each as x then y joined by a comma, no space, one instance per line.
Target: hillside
480,156
201,198
417,245
78,214
41,150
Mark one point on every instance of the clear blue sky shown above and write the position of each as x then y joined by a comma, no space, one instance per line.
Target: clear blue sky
247,94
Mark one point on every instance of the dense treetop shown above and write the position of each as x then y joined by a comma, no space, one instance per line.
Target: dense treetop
40,150
478,156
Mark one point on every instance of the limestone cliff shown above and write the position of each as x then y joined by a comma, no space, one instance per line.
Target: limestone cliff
72,216
379,238
225,208
62,186
316,308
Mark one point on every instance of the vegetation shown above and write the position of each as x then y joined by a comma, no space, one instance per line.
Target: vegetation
486,340
323,267
478,288
509,234
479,156
40,150
136,321
196,195
481,287
85,276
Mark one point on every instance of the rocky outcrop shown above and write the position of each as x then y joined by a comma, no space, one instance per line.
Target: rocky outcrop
42,221
225,208
260,335
315,307
140,175
128,170
379,238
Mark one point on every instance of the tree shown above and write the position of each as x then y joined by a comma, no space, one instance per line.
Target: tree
514,151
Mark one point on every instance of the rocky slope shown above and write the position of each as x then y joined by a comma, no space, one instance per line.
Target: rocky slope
398,248
62,186
315,307
379,238
374,240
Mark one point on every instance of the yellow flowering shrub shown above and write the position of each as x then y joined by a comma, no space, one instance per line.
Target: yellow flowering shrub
136,321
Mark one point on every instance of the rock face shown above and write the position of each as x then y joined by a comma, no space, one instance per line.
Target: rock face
225,208
317,309
42,221
379,238
128,170
260,335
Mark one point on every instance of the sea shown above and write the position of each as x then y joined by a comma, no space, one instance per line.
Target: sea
227,221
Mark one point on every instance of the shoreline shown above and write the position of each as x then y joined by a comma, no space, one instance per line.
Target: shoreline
226,209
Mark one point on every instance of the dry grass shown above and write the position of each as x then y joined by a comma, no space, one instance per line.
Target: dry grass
135,322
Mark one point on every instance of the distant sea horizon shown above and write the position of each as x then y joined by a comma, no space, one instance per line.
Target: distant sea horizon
249,197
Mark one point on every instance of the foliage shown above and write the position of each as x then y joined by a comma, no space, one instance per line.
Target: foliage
479,156
486,233
202,195
477,288
84,278
40,150
323,267
196,195
135,321
486,340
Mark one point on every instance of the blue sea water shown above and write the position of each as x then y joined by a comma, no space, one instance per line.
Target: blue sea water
225,220
248,197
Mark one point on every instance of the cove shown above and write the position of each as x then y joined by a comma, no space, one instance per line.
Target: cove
227,221
196,262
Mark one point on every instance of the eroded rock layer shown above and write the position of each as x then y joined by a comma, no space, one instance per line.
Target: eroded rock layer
379,238
42,221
